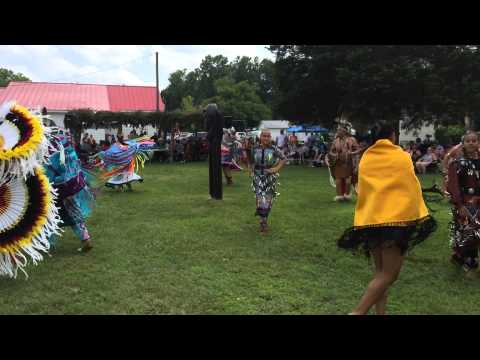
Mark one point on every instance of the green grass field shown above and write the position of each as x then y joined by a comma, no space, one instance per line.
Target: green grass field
166,249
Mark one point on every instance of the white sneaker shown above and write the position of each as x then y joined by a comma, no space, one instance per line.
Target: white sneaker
348,197
338,198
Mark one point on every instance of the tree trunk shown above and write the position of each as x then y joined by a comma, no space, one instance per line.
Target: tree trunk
396,125
468,122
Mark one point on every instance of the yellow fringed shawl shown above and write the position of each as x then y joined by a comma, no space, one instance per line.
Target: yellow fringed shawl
389,193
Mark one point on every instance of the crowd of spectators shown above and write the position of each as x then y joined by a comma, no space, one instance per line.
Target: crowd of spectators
427,155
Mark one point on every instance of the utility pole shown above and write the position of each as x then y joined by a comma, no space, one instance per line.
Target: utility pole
158,93
172,140
158,97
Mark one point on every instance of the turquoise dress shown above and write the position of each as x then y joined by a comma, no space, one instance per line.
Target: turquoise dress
75,198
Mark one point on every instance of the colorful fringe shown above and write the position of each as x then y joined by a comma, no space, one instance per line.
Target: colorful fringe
127,158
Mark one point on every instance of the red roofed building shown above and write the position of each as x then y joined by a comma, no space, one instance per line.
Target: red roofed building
59,98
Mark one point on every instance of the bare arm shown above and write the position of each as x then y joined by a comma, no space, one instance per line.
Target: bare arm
277,167
453,186
452,154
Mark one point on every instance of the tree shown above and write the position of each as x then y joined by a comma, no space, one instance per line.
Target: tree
200,83
449,135
369,83
8,75
187,105
176,90
240,100
255,72
383,83
305,78
211,69
454,84
266,83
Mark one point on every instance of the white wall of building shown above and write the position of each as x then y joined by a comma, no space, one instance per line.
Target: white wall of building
411,135
275,126
99,134
58,118
149,129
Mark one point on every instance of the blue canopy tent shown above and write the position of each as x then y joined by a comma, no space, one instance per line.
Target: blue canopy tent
296,128
307,128
316,128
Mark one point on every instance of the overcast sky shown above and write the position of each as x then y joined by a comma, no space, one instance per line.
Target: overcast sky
114,64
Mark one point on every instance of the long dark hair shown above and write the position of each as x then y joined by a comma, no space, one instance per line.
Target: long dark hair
381,130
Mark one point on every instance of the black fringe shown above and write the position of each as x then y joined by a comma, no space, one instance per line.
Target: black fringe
405,237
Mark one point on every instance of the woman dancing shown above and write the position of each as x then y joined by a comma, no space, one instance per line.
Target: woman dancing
228,150
265,163
122,160
76,198
341,162
464,189
390,216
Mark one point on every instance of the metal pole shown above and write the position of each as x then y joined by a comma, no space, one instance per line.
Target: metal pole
158,93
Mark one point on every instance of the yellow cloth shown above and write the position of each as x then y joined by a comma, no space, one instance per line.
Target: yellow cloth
389,193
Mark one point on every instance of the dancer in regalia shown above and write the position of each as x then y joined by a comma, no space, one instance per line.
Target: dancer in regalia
121,162
28,215
266,160
76,198
228,149
390,217
341,162
464,189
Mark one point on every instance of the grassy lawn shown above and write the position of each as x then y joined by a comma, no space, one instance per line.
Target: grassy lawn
165,249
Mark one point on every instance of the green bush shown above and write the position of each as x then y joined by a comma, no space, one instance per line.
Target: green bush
448,135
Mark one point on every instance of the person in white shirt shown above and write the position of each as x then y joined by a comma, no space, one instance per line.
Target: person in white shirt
281,140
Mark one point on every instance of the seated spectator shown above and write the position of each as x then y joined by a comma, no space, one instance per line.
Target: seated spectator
426,160
133,134
440,152
410,147
86,145
93,145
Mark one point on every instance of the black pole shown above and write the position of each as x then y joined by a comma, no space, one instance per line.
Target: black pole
158,93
